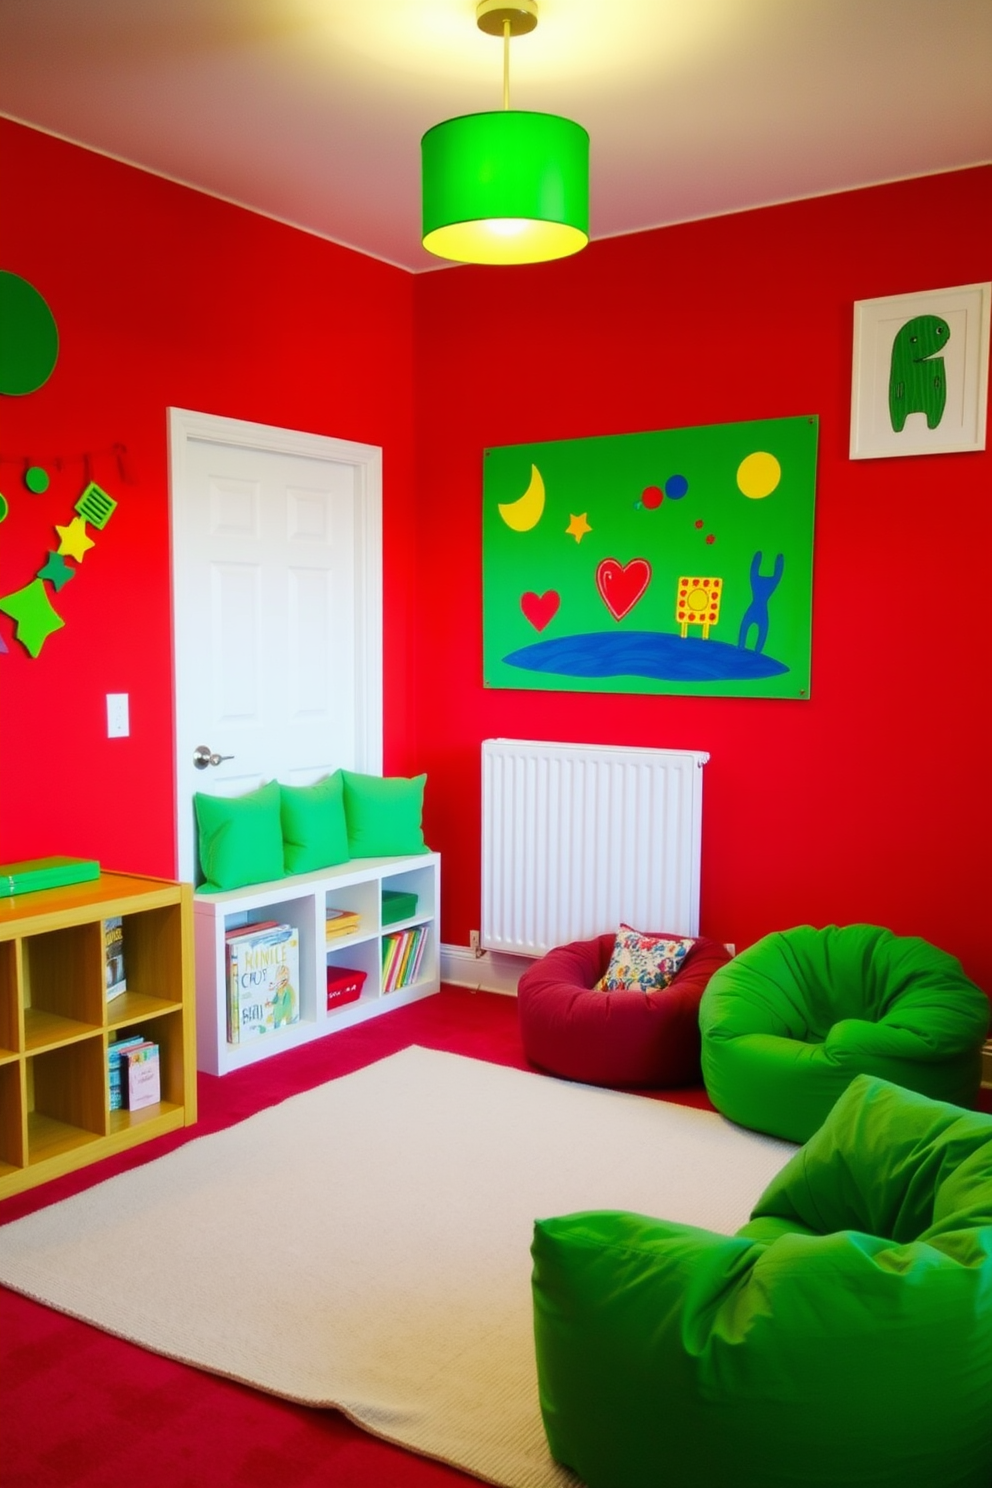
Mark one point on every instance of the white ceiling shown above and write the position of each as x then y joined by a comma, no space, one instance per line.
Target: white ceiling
311,111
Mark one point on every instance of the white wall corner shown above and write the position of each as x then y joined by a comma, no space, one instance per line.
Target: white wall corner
490,972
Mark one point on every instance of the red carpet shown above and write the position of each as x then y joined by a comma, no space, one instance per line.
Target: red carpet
80,1407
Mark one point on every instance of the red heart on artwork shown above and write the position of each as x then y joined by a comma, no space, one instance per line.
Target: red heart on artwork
621,585
540,608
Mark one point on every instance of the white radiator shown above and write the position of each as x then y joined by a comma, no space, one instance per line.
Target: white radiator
577,837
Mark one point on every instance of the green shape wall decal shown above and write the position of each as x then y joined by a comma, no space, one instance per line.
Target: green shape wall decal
57,571
96,506
36,619
29,346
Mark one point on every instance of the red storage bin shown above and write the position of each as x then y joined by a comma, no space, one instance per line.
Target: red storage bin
344,984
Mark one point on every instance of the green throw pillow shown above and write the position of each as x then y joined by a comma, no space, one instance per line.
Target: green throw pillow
240,838
384,814
314,831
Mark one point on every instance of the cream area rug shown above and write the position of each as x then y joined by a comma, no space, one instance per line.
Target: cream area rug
366,1245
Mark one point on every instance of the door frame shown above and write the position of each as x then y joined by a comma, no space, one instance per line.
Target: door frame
184,426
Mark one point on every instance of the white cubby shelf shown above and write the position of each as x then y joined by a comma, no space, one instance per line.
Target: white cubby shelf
302,900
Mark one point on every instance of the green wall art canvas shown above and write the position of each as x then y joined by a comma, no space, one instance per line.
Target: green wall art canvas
678,561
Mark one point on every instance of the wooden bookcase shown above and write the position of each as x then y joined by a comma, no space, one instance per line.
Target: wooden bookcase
302,900
56,1024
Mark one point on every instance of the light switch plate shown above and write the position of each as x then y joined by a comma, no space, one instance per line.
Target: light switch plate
118,720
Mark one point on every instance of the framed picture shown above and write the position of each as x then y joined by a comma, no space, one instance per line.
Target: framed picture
921,372
676,561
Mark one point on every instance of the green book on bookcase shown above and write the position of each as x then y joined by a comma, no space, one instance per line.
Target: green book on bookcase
44,873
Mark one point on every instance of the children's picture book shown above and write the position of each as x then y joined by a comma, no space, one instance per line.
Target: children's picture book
114,1057
141,1076
113,956
253,927
263,979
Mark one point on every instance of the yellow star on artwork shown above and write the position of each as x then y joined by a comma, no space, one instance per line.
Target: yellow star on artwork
73,539
578,526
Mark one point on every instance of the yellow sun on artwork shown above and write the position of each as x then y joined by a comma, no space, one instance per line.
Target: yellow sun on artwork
758,475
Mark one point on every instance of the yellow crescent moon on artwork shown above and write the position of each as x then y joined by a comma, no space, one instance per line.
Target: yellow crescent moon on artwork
524,514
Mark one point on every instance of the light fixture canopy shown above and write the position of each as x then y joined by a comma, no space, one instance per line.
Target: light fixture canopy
509,186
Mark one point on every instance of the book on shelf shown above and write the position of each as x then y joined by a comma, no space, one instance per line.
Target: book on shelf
390,954
263,979
115,1052
418,958
141,1076
401,957
113,956
32,874
403,969
254,927
341,922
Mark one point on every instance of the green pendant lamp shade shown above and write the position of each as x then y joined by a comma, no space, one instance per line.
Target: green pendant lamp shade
508,187
505,187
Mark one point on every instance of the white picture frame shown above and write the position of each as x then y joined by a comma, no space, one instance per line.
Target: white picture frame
956,395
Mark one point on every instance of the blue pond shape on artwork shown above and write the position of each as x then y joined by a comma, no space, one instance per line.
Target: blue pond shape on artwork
645,653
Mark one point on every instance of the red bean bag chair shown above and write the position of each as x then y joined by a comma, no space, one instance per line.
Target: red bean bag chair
626,1037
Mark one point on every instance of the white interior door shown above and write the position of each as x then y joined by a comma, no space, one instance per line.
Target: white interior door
277,608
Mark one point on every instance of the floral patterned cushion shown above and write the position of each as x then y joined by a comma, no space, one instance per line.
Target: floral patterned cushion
642,961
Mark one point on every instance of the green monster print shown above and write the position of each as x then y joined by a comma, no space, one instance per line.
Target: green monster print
917,382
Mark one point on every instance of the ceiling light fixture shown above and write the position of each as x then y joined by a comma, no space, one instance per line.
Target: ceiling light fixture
505,187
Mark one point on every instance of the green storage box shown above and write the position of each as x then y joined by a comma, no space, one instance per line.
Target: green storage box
44,873
397,905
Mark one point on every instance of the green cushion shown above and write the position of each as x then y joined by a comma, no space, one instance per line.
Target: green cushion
314,830
384,814
240,838
786,1354
789,1023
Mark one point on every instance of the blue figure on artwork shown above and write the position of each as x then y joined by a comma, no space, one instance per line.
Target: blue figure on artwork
763,586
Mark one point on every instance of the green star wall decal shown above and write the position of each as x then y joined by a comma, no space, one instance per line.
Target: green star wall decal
32,609
57,571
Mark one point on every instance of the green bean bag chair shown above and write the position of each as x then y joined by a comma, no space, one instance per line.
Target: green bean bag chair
842,1339
789,1022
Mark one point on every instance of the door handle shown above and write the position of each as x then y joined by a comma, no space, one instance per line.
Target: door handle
202,757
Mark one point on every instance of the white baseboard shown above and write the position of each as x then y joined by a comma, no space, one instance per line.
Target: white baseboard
490,972
494,971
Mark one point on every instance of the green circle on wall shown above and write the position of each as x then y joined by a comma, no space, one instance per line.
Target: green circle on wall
4,508
36,479
29,344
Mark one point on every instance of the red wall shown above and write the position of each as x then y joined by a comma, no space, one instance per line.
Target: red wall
869,802
164,297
